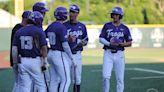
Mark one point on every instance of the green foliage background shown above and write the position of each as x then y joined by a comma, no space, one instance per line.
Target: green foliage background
97,11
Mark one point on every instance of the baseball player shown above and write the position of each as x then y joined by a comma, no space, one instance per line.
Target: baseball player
17,27
40,7
59,52
77,39
114,36
29,51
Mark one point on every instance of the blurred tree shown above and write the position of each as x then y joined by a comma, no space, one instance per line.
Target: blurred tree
131,2
160,4
29,3
97,11
8,6
118,1
146,21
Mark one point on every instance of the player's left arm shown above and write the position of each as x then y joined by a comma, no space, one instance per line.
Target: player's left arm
128,39
42,42
126,44
16,27
65,45
85,39
43,49
15,54
44,58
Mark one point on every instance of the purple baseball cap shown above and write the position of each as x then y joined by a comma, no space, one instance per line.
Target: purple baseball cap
74,8
26,14
40,6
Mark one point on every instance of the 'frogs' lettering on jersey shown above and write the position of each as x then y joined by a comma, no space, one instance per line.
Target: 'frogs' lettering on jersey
78,30
57,33
113,33
76,33
117,34
122,32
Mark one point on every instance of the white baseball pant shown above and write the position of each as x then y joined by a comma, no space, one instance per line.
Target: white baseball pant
113,61
30,70
17,80
76,71
59,71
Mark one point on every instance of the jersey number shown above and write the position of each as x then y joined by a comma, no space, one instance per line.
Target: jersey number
52,38
26,42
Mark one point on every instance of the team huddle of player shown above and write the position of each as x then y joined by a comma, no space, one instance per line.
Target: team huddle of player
47,60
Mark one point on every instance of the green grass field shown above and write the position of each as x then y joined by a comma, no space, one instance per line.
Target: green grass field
144,71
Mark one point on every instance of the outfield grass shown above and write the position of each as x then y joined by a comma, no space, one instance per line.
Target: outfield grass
144,71
132,55
92,80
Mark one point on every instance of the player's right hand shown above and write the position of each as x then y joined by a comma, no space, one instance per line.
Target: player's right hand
74,62
15,67
83,42
71,38
46,65
114,44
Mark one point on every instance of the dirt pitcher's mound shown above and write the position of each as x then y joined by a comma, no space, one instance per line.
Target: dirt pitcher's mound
4,62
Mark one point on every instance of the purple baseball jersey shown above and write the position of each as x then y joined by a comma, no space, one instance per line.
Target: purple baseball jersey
79,31
57,33
25,38
121,32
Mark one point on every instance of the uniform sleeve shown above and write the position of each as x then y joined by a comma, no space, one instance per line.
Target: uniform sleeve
16,27
46,31
15,39
103,32
12,38
43,41
63,34
128,36
85,34
14,42
12,34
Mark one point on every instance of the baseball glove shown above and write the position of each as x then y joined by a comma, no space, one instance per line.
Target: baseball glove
115,40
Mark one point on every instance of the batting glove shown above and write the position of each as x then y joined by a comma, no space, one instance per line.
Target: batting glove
45,64
83,42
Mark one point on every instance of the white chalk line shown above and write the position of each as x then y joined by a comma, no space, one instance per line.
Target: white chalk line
149,77
142,70
150,71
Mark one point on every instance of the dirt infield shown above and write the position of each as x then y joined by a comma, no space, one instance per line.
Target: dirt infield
4,62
